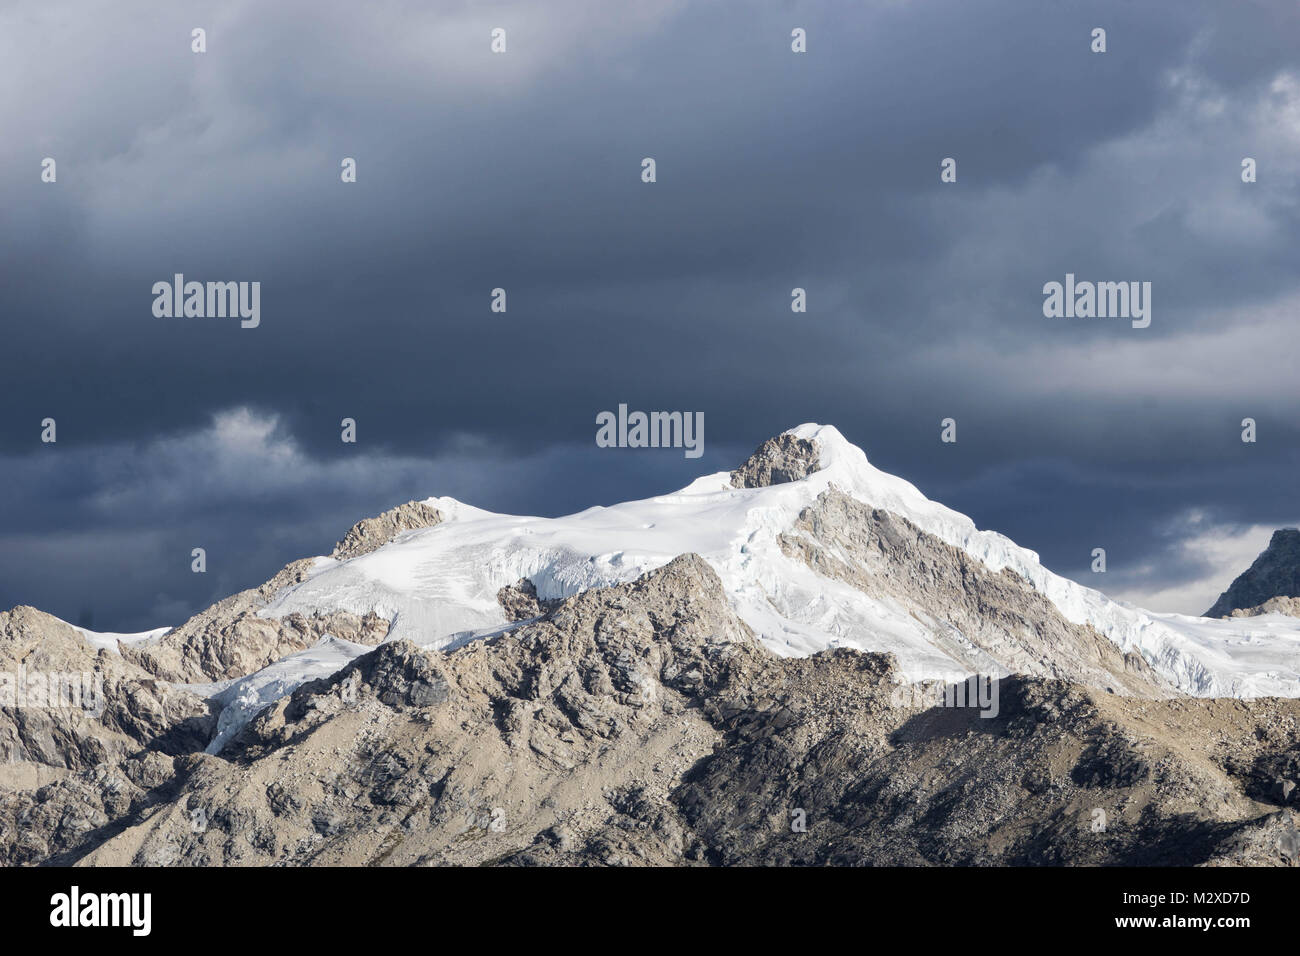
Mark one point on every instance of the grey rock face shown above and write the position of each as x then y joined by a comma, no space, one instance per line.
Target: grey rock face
1275,574
104,709
777,461
992,623
372,533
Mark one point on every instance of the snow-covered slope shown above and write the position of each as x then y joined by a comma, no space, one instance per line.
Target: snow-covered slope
111,641
439,585
241,700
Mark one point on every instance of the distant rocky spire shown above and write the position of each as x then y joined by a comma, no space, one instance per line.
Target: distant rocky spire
1275,574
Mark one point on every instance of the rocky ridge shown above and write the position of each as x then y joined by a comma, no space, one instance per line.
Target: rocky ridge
644,724
777,461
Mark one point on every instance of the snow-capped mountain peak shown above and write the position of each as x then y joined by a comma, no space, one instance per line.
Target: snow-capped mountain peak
439,585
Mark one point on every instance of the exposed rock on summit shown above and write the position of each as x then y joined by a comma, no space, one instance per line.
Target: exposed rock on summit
373,533
777,461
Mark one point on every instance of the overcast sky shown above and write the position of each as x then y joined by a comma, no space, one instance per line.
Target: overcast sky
522,170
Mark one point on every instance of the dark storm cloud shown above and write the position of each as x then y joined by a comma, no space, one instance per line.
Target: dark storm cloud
522,171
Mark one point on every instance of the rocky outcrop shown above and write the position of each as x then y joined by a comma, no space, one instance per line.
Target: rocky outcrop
1277,605
644,724
521,603
777,461
1275,574
372,533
